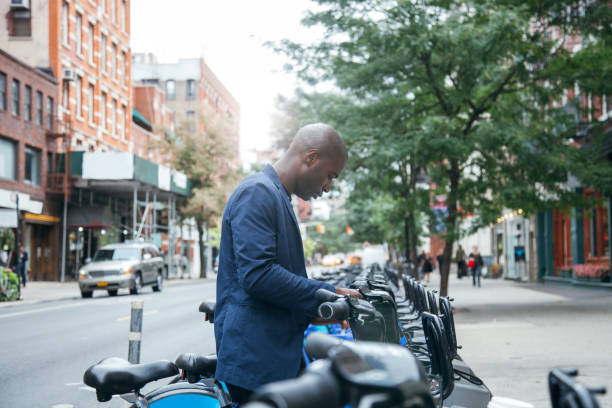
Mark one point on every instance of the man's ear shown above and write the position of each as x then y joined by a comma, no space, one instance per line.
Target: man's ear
311,157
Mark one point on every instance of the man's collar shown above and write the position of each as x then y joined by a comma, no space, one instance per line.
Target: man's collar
270,172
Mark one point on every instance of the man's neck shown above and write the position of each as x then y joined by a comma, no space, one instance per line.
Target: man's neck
283,169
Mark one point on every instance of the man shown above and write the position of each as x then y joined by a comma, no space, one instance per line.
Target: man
460,258
21,265
265,300
478,263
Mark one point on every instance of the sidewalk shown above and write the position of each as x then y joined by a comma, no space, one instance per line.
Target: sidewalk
514,333
39,291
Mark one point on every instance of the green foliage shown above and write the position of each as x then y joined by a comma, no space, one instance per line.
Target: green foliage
335,239
461,90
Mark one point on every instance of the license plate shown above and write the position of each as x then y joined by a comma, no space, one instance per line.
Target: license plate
102,284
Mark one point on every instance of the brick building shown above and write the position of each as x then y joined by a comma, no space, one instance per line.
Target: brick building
189,86
28,98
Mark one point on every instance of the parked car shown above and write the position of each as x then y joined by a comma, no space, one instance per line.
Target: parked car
127,265
331,260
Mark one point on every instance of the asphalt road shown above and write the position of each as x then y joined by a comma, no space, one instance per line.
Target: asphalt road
46,347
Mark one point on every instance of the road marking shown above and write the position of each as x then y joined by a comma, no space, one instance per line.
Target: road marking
73,384
87,389
150,312
62,406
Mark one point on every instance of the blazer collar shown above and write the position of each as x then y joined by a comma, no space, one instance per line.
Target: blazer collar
271,173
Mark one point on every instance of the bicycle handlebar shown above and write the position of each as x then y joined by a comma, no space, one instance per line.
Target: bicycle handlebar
318,344
318,387
336,310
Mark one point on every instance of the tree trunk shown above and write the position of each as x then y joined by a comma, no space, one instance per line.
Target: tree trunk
201,244
451,202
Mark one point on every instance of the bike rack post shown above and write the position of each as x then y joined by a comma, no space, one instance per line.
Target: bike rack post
135,332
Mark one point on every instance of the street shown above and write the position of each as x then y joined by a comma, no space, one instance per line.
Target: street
47,347
512,335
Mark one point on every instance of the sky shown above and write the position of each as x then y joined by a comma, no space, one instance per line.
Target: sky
230,35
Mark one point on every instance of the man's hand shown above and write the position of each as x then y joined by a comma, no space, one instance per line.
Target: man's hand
346,291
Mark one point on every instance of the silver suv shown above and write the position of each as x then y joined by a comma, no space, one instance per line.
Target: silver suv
127,265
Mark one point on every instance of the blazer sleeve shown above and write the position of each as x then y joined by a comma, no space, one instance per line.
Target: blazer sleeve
253,224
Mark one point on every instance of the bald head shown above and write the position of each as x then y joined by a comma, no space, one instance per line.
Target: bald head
315,158
320,137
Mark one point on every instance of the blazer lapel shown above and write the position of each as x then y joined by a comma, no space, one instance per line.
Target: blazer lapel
270,172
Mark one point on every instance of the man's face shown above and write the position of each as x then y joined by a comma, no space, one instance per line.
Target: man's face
319,172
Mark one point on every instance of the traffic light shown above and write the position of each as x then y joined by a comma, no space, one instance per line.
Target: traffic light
321,229
349,231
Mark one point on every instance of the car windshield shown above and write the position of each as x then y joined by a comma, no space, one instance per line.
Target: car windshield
117,254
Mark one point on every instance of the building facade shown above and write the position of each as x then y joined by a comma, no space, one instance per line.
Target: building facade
28,146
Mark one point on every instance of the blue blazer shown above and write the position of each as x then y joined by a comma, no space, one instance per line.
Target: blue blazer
265,300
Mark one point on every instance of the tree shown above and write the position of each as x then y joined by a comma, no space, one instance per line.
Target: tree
473,83
209,161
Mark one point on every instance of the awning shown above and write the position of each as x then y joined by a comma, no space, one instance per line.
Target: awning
41,218
89,217
141,120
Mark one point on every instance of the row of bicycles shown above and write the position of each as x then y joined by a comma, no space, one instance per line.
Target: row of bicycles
400,351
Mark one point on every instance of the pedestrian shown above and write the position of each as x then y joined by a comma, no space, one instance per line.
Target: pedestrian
265,300
427,266
420,260
22,259
4,256
477,262
460,259
440,261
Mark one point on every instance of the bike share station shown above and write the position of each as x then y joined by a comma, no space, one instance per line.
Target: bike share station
401,351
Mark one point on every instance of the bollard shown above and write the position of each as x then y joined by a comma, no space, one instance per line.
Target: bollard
135,332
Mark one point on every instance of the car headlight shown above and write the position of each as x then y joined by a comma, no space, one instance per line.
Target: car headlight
82,273
129,270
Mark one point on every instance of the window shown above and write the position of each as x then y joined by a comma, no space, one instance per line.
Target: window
103,52
27,108
8,162
190,89
114,11
79,90
191,120
122,113
123,25
65,23
32,166
114,62
90,46
65,94
16,97
122,68
20,23
103,111
90,105
49,112
114,118
39,112
79,33
170,85
2,91
103,5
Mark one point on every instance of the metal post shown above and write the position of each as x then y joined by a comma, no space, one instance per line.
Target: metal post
64,232
148,227
18,237
134,210
135,335
154,215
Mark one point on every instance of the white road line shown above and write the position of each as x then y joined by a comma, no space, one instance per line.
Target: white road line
73,384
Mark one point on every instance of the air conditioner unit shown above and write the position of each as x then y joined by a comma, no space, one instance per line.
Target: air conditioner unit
68,74
20,4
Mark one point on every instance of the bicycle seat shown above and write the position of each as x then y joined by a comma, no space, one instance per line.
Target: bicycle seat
115,375
208,307
196,366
